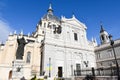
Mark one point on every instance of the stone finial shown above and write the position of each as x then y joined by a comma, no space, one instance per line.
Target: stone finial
61,17
21,33
10,33
94,41
73,16
29,34
15,32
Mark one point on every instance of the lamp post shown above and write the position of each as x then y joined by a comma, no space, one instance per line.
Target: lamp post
71,70
49,67
112,45
111,69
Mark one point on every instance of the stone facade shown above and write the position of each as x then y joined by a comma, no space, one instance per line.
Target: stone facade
57,48
105,56
8,52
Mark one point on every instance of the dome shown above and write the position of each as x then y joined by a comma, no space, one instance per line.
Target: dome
51,17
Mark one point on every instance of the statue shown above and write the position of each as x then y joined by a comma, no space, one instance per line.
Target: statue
20,50
58,30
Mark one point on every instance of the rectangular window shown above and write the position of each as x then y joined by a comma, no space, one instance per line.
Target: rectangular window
49,25
98,56
44,24
75,36
110,53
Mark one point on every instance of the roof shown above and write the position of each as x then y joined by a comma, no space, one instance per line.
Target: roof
51,17
107,45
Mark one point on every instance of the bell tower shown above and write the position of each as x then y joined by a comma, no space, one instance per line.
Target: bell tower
103,36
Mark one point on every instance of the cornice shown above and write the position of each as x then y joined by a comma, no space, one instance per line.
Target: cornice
65,46
107,46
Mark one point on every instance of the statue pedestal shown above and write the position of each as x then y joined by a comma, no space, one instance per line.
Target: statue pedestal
17,68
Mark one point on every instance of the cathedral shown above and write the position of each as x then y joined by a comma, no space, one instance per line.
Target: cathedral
57,48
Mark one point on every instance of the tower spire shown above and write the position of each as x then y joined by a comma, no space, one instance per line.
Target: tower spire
50,10
103,35
50,7
102,29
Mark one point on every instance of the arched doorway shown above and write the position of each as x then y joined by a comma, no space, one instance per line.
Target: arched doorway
10,75
60,71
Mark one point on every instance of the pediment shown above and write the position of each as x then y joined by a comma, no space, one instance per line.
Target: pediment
76,22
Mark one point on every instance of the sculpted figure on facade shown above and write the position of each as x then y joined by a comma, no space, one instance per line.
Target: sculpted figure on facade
20,50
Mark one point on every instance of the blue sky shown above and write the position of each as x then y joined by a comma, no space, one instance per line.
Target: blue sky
24,15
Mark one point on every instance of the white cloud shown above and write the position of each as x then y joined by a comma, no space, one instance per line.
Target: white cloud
4,30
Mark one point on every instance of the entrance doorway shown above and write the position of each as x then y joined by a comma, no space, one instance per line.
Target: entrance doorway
60,74
10,75
78,70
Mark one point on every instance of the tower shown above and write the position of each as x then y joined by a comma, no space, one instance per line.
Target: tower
103,36
48,25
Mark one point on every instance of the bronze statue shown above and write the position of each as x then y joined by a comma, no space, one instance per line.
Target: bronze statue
58,30
20,50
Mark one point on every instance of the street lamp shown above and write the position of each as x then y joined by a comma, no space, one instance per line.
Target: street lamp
112,45
71,70
49,67
111,69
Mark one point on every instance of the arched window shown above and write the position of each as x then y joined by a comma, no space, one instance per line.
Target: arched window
28,57
102,37
44,24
